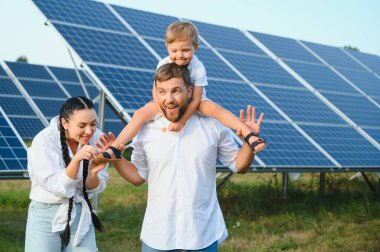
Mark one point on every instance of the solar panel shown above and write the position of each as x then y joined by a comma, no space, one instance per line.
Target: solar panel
334,56
12,150
357,107
321,77
365,80
301,105
49,96
125,65
346,145
285,48
18,109
288,148
369,60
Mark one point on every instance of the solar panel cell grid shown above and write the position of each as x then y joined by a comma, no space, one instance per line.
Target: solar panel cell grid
236,96
226,38
364,80
345,145
322,78
69,75
333,55
301,105
285,48
290,148
24,70
132,89
107,47
371,61
358,108
261,69
7,87
146,23
43,89
89,13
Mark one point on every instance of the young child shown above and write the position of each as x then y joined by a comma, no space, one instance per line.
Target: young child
181,40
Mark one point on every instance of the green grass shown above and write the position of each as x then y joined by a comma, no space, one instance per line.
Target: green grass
346,218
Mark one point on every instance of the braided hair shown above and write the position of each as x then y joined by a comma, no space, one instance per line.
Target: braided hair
68,108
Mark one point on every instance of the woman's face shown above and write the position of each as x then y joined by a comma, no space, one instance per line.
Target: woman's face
80,126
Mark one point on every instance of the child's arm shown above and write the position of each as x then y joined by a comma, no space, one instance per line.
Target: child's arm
210,108
141,116
190,110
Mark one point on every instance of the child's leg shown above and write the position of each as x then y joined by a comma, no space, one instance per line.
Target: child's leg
210,108
140,117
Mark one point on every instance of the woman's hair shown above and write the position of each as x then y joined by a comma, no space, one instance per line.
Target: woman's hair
68,108
182,31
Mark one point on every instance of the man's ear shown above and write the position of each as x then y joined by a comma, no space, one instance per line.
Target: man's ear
189,92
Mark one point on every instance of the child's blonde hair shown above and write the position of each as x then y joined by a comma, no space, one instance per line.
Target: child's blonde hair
182,31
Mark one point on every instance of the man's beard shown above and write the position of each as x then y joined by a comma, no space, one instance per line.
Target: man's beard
174,118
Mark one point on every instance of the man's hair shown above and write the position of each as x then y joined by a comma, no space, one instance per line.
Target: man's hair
182,31
172,70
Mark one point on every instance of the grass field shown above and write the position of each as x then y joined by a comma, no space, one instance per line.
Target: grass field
346,218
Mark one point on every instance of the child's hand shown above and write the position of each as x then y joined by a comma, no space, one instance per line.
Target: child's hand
175,126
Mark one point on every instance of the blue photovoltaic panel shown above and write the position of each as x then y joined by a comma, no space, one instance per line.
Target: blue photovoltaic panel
12,152
69,75
301,105
357,108
22,116
50,108
333,55
18,110
2,72
285,48
287,147
226,38
321,77
7,87
126,69
146,23
236,96
132,89
261,69
345,145
40,88
371,61
159,47
374,133
88,13
25,70
108,48
364,80
70,81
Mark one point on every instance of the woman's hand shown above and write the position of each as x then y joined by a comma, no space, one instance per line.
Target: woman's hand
87,152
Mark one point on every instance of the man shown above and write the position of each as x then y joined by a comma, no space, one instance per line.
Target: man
183,211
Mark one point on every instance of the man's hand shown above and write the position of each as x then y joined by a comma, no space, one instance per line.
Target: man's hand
250,121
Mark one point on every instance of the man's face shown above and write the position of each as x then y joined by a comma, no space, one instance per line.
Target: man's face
173,97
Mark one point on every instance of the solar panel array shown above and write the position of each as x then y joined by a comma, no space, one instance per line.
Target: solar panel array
12,149
306,90
31,89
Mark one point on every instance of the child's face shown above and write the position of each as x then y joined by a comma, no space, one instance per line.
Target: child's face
181,52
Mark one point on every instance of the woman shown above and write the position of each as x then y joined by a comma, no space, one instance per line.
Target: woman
63,178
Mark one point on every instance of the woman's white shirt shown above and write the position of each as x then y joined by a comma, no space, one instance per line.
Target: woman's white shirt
51,185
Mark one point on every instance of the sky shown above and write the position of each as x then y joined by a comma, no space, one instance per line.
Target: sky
335,23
